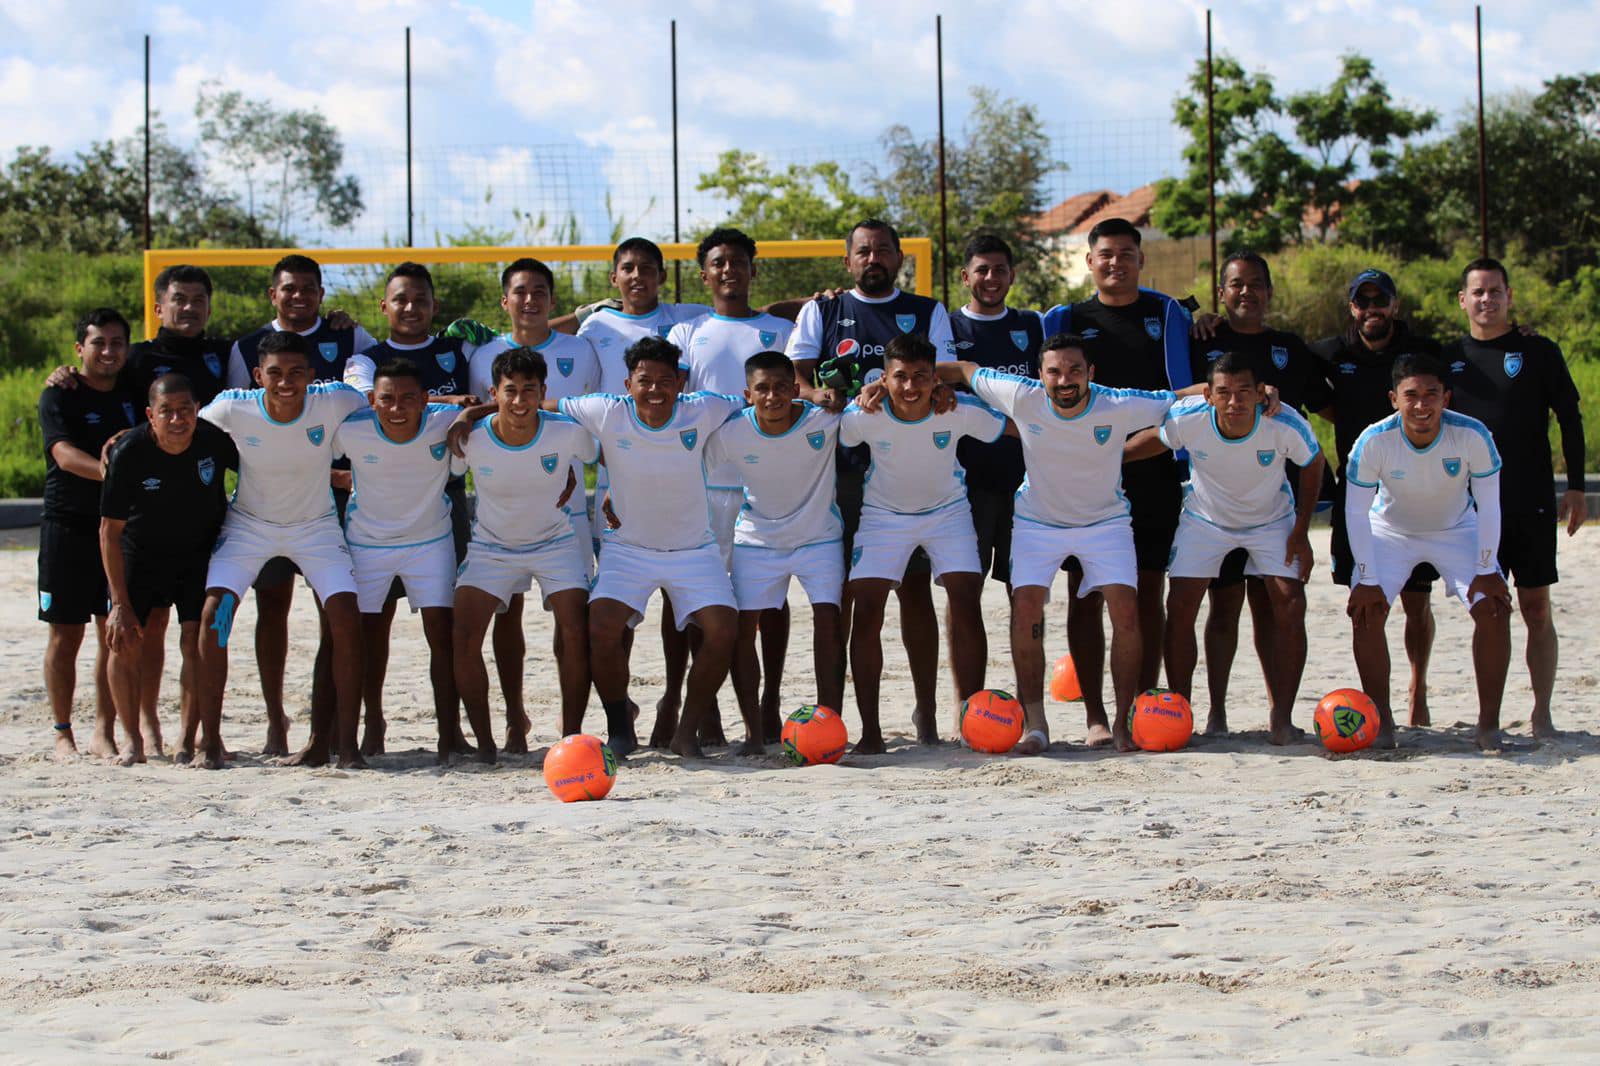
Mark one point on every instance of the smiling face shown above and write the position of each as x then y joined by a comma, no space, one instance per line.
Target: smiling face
988,276
172,417
527,301
518,397
103,351
285,376
1114,263
1065,374
1234,398
654,386
873,260
1421,400
184,308
1373,311
772,394
297,298
398,401
1245,294
728,272
409,306
637,276
910,385
1486,298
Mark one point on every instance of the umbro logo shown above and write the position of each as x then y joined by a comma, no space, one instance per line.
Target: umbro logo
847,322
1347,368
1458,366
151,484
964,345
252,442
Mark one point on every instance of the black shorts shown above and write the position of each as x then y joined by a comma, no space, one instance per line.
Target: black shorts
1528,548
72,579
162,581
848,493
992,513
1154,506
1344,563
461,514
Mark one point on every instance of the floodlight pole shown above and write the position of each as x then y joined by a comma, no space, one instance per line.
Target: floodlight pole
147,142
677,267
1211,159
410,209
1483,153
944,218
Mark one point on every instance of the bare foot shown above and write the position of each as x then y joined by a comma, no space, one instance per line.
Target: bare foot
460,745
1034,742
1543,728
927,726
711,734
66,747
517,729
1490,741
1098,736
750,747
1419,708
1285,734
183,757
129,757
771,721
151,739
372,737
278,738
1216,724
352,760
666,724
688,747
871,743
1386,739
1123,739
487,755
102,746
313,754
212,758
442,754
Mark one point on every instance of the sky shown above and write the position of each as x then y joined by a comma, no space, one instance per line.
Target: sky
544,106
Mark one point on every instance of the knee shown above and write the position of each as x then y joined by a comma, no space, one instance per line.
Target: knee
1536,613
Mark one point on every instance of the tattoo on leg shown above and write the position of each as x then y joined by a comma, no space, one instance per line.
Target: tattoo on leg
223,623
1038,630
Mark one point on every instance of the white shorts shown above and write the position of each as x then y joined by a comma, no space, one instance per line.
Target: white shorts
886,539
692,578
504,572
1104,551
724,505
428,571
761,575
317,547
1453,552
1199,547
578,518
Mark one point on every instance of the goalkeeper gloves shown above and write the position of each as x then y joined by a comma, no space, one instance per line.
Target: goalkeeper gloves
473,332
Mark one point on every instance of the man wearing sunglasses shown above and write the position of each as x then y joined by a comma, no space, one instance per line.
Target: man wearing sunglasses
1358,364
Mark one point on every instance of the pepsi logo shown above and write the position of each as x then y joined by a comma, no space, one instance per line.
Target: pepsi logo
848,346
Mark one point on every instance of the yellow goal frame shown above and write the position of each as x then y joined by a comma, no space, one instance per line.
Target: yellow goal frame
158,259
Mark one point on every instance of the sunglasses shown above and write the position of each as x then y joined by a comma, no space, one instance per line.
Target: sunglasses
1378,299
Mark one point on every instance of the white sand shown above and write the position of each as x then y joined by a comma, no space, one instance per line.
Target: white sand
1231,901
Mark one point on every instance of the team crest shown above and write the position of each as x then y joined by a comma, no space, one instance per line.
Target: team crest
1280,356
907,323
45,599
315,435
1102,434
565,366
1264,456
214,364
1213,355
816,440
768,337
1452,466
855,557
127,409
1019,337
549,462
207,468
446,361
688,436
329,350
438,450
1513,364
941,440
1152,328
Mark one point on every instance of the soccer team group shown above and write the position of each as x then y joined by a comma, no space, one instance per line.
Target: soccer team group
865,443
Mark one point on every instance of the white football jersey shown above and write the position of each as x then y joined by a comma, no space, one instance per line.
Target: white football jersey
714,349
517,487
573,369
1422,490
788,479
613,332
283,466
1074,464
398,500
1238,484
914,466
658,487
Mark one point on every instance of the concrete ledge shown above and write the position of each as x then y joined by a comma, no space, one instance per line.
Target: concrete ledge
20,513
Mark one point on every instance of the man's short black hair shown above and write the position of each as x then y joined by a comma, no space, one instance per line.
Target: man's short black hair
876,224
772,362
643,246
182,274
526,265
911,348
986,244
414,271
521,362
398,368
100,318
1417,364
280,341
1064,342
170,384
295,263
1484,263
1232,363
1253,258
1114,227
725,235
651,350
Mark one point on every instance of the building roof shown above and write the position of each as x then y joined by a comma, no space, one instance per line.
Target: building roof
1135,207
1066,215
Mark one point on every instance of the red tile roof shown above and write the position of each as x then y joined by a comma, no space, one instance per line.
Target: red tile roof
1135,207
1063,217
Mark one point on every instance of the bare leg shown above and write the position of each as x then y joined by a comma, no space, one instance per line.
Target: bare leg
608,665
1265,636
1491,660
1288,626
1543,652
919,631
375,630
827,656
570,609
718,627
869,595
272,655
188,688
124,670
746,684
675,664
60,681
510,654
154,643
104,743
470,620
336,714
1183,611
1027,657
1122,607
1086,642
969,652
774,632
437,626
1152,620
216,628
1222,644
1372,666
1419,648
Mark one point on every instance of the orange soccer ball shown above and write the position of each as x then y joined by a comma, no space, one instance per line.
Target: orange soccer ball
579,767
991,721
1346,720
814,735
1161,720
1064,687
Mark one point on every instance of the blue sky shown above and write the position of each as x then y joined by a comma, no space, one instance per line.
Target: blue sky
784,76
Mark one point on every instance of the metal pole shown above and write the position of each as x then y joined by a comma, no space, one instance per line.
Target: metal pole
677,266
1483,154
1211,160
147,144
410,208
944,219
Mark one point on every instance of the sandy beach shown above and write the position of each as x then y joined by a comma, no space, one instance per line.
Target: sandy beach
1230,901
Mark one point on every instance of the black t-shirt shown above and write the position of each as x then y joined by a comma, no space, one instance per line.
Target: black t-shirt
173,504
86,418
1281,359
1010,344
203,360
441,362
860,331
1511,384
1359,378
331,349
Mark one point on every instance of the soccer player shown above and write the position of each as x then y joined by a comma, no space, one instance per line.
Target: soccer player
781,452
521,462
397,525
1511,382
1138,339
654,440
1070,506
160,511
1423,486
76,423
1281,359
716,348
282,508
1358,365
914,498
180,346
838,346
1238,498
637,271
